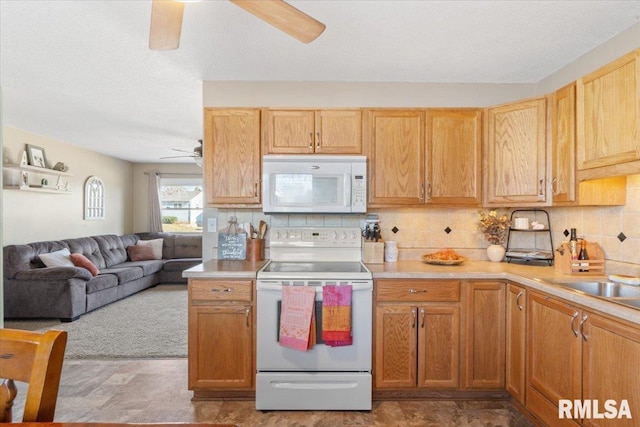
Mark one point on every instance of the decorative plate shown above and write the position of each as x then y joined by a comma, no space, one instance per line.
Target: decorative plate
434,259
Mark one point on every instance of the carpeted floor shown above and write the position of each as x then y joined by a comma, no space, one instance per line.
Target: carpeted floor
149,324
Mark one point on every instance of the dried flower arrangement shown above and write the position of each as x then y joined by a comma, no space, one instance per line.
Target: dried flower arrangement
494,226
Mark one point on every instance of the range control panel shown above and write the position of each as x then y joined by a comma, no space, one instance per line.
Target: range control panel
334,237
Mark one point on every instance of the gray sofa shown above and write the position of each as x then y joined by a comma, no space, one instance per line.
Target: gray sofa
32,290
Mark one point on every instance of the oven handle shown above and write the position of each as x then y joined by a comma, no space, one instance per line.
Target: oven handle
360,286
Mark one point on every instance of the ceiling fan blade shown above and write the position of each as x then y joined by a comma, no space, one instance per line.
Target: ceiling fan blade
284,17
166,24
179,157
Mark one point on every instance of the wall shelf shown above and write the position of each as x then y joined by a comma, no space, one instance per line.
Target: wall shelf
35,169
37,189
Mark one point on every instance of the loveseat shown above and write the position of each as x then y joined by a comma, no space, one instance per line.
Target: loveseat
33,290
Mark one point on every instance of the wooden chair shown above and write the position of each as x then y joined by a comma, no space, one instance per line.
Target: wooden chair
34,358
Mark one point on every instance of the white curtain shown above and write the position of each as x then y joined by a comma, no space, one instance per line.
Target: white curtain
155,211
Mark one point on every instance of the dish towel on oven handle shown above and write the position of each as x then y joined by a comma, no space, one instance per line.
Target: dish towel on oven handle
295,317
336,315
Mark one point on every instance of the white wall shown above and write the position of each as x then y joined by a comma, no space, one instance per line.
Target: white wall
141,186
30,217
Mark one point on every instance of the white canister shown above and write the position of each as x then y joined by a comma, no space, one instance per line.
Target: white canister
521,223
390,251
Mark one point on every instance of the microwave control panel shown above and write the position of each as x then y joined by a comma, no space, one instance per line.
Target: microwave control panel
359,188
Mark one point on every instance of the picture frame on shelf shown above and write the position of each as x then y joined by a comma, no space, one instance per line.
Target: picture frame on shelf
24,161
37,156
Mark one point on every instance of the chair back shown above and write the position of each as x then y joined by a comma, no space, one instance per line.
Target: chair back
34,358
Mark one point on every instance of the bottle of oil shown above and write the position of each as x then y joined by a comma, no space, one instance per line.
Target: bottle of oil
583,256
573,247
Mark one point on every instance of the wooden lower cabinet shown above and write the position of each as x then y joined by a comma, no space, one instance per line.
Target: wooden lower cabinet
417,334
516,328
221,336
484,336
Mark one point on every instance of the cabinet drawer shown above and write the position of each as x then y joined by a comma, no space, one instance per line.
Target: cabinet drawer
220,290
417,290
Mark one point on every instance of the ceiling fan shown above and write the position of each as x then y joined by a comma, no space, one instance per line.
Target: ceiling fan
166,20
196,154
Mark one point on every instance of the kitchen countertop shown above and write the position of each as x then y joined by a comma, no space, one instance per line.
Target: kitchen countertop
532,276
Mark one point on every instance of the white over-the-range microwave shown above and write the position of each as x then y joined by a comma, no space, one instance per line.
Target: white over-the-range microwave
314,184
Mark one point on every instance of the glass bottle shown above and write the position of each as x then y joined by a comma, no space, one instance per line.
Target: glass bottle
583,256
573,247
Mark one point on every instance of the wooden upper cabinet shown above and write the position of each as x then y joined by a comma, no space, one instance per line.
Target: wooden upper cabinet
313,131
608,114
563,145
231,152
396,156
516,154
454,150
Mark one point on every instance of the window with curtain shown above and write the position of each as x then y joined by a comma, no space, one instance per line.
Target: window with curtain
181,203
94,198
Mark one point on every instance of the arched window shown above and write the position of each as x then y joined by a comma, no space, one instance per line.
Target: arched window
94,198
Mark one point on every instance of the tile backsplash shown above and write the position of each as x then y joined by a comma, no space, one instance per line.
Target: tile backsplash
422,230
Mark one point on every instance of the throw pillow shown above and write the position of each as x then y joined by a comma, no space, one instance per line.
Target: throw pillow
140,252
80,260
156,245
57,259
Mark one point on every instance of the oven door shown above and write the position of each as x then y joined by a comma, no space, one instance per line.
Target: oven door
272,357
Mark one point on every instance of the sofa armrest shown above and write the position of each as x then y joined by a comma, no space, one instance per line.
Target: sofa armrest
54,273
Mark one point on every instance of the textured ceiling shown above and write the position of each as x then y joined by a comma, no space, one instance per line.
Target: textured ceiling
80,71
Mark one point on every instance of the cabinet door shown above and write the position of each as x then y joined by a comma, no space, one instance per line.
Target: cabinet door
563,146
516,154
439,346
395,346
338,132
485,335
220,347
554,366
611,351
608,114
396,156
516,341
289,131
231,152
454,143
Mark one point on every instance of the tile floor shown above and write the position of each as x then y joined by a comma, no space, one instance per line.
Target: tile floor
154,390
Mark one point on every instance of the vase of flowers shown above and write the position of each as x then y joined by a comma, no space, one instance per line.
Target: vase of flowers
495,228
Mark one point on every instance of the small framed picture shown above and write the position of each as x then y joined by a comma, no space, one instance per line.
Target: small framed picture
24,179
36,156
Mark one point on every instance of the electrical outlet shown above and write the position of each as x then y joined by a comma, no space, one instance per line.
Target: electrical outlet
212,225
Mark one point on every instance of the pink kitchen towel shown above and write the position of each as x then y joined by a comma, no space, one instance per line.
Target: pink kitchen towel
295,316
336,315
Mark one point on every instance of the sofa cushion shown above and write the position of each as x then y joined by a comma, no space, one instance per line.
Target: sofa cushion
187,246
155,244
148,267
18,258
57,259
101,282
112,249
140,252
88,247
180,264
124,274
80,260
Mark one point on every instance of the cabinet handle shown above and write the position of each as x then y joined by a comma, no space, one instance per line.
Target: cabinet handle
318,141
255,189
414,314
581,326
246,315
221,290
520,307
310,141
554,186
422,192
574,330
428,191
541,190
419,291
422,316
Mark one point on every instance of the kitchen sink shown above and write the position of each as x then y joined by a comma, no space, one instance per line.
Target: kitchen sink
604,289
